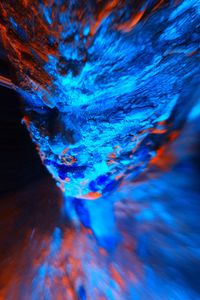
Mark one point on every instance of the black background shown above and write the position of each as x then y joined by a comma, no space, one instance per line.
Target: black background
19,161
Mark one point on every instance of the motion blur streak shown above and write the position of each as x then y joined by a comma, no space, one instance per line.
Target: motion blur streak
111,99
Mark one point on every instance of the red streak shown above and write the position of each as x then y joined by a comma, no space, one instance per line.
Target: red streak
91,196
129,25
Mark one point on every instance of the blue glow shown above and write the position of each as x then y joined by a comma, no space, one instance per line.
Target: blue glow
113,105
129,82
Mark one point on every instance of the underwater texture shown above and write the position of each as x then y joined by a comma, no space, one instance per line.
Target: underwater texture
110,95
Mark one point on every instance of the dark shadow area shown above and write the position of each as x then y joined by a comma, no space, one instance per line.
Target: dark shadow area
19,160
